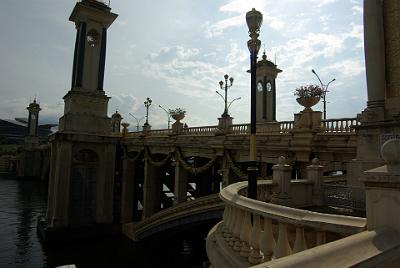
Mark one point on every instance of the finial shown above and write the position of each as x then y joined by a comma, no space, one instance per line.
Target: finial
315,161
281,160
390,151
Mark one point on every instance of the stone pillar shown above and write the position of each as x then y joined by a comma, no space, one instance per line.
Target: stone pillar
151,190
177,127
315,174
105,186
51,187
391,18
225,125
374,48
282,174
180,185
225,171
383,189
61,194
128,190
146,129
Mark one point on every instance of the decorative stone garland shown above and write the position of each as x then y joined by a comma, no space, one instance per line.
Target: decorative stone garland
147,156
190,169
132,159
232,165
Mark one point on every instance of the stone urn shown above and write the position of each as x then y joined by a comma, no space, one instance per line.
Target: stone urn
178,116
308,102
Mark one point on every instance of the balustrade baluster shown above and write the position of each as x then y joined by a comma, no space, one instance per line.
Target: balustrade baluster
225,229
229,226
236,231
321,238
232,239
282,247
300,242
255,255
245,235
267,242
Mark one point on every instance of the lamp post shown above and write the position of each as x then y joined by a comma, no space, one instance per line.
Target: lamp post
168,114
324,89
147,104
254,21
225,87
137,121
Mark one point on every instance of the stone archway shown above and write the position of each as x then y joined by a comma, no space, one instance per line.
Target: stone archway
82,194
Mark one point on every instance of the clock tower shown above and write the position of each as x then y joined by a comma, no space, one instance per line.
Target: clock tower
267,72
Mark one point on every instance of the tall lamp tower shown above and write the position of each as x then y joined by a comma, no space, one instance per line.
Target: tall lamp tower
254,21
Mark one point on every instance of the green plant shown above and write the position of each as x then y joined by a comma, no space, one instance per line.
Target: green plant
176,111
308,91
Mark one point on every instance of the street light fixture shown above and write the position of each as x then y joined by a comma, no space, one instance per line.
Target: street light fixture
168,114
254,20
147,104
225,87
324,89
137,121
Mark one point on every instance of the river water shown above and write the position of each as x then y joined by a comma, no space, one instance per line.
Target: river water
22,201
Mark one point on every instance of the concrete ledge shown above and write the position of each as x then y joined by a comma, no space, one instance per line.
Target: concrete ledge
366,249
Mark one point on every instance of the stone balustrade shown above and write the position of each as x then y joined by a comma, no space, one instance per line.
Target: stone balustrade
339,125
286,126
253,231
205,130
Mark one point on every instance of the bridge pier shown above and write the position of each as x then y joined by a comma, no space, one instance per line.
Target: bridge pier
128,195
180,184
151,189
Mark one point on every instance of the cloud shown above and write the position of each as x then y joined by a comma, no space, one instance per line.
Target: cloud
323,2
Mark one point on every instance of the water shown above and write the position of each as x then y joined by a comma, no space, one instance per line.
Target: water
22,201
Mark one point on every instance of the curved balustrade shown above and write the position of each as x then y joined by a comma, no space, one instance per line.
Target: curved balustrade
339,125
253,231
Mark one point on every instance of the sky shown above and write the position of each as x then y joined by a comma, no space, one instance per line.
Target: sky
176,52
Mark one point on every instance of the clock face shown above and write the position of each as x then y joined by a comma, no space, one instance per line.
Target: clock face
269,86
259,87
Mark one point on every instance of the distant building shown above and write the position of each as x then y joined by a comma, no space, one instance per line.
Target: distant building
14,131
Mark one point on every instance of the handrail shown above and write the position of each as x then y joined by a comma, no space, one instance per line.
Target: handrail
326,222
340,124
249,229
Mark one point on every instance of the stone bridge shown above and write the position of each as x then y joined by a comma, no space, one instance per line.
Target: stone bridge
165,174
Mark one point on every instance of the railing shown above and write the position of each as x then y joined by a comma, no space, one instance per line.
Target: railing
249,229
339,125
206,130
344,196
161,132
240,129
286,126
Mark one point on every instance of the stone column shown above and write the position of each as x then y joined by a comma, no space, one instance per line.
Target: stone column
391,18
315,174
52,178
105,186
225,171
383,189
61,185
374,52
225,125
151,189
282,174
180,185
128,190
